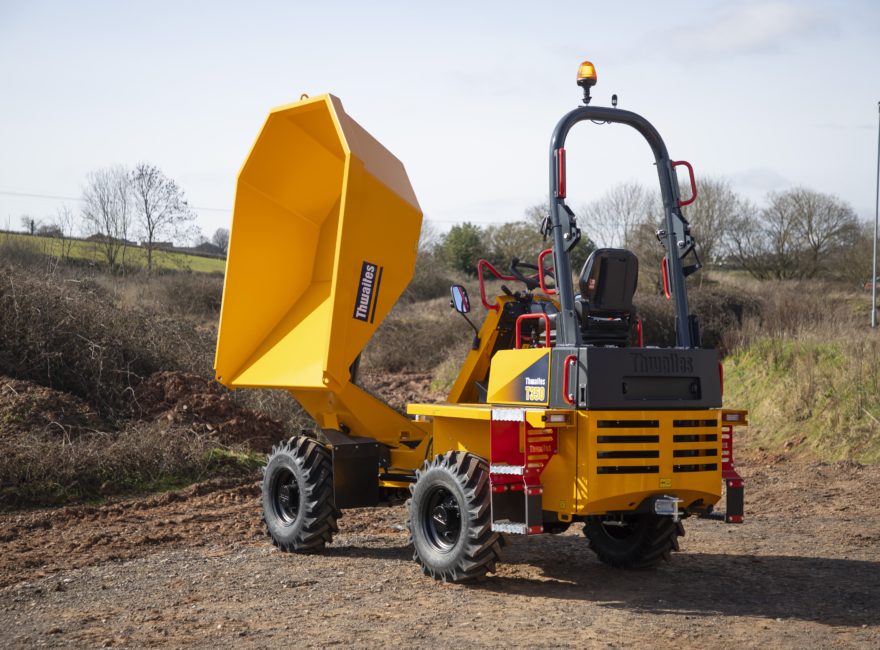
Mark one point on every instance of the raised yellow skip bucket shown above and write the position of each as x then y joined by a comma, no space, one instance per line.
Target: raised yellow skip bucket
323,242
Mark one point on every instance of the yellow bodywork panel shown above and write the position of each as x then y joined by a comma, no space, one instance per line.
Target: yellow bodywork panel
323,242
629,455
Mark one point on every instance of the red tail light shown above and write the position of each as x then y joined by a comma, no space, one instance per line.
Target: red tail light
721,376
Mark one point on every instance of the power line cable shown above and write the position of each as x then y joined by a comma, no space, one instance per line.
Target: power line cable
60,197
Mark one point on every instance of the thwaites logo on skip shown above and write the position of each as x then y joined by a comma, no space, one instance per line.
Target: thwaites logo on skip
368,292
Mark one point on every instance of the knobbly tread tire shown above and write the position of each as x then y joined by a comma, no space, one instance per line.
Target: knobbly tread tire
478,547
652,542
316,522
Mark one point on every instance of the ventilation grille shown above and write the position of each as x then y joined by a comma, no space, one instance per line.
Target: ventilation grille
634,446
688,441
634,439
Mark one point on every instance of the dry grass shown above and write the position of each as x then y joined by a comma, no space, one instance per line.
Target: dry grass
815,389
45,469
69,336
93,339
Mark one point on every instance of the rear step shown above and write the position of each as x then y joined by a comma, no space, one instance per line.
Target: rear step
515,476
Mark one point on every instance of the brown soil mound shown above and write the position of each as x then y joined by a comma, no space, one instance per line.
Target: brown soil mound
26,406
205,406
400,388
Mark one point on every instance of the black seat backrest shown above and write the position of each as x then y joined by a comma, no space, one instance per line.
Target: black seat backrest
608,280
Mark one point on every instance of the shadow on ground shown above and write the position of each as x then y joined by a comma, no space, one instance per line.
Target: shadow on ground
826,590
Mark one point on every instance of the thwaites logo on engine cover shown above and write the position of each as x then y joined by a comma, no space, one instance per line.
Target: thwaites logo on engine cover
670,363
368,292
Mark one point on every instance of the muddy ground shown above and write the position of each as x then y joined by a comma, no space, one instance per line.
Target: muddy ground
193,569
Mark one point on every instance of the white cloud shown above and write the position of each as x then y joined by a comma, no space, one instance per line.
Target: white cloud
759,180
754,28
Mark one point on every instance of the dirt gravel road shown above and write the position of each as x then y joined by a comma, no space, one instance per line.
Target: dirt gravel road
192,569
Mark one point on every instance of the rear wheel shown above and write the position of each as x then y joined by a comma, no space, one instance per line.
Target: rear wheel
449,519
634,541
298,505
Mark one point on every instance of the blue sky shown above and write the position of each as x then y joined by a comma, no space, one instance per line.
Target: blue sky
768,94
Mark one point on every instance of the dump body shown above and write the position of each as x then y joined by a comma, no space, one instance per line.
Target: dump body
323,242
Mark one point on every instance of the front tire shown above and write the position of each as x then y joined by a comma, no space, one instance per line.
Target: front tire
635,541
297,492
450,520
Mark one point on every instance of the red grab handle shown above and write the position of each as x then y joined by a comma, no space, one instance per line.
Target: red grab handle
690,169
544,253
567,395
664,273
524,317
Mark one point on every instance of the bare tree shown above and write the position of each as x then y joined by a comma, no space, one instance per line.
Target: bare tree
160,206
711,215
29,224
107,212
220,239
612,220
66,220
825,224
747,242
799,234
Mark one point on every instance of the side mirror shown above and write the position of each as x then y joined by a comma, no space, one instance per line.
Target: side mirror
460,300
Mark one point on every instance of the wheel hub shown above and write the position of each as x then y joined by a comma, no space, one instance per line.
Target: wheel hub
286,497
443,520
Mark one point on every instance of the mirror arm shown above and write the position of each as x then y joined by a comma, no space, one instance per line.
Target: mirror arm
475,344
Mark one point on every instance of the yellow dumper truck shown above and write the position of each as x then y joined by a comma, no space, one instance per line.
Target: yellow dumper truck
560,413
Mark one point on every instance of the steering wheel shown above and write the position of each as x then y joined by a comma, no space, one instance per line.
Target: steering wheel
530,282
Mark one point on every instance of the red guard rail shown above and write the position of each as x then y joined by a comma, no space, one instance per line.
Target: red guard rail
535,316
485,264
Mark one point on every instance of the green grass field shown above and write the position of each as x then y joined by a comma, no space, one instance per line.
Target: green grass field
135,256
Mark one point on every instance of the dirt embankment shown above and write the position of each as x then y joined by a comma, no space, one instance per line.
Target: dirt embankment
205,406
194,568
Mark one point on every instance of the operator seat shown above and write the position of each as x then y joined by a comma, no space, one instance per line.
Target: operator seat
607,284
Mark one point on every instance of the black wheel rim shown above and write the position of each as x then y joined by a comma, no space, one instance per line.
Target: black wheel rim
442,519
285,496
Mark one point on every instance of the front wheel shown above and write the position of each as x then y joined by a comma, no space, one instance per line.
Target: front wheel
450,521
633,541
298,504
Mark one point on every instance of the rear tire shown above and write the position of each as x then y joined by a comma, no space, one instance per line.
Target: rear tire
450,520
642,542
298,504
